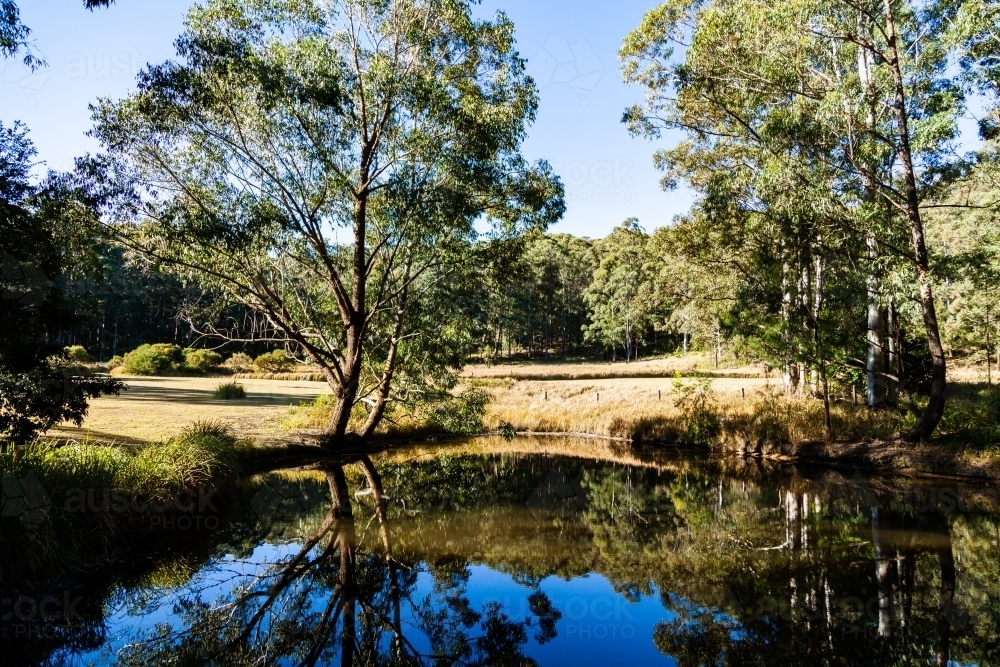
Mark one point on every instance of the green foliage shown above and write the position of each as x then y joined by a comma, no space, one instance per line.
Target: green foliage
78,353
155,359
507,431
409,153
42,226
200,360
462,414
697,403
622,309
275,361
534,299
228,391
33,401
166,359
801,122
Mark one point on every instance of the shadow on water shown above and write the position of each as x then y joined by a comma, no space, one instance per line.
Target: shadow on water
455,558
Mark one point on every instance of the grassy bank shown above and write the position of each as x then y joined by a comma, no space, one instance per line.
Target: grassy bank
65,503
759,421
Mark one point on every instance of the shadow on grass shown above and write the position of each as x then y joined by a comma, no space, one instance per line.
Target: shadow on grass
173,394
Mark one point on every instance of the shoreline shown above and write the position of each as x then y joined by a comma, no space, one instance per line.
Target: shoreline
882,457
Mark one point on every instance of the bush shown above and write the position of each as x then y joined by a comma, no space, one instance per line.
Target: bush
201,361
229,391
77,353
115,362
272,362
462,414
240,362
697,403
153,359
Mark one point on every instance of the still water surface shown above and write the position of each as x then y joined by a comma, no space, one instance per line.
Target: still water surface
450,557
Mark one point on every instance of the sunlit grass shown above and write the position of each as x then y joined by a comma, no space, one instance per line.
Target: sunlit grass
205,453
754,419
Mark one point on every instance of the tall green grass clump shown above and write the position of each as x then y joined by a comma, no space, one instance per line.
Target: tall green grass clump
205,453
65,504
229,391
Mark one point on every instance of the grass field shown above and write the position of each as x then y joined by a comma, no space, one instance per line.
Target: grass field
664,367
640,400
155,408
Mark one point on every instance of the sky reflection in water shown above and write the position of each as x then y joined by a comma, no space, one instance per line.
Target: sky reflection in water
517,559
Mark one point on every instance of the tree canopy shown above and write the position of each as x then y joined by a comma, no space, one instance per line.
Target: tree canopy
326,165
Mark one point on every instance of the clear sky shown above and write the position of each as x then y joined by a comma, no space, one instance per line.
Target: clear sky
571,47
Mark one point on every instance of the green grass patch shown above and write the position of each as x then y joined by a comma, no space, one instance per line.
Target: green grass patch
228,391
63,502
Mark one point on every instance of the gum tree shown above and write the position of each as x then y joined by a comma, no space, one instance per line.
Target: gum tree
620,297
852,95
326,164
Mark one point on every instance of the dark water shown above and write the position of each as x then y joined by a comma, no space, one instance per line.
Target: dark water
517,559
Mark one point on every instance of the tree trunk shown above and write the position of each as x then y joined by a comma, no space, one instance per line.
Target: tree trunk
939,383
892,358
883,578
788,367
876,336
946,597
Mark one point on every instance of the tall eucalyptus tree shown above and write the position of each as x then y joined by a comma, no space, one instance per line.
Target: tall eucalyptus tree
326,164
851,99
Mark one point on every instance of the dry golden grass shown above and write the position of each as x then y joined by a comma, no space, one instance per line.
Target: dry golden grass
750,413
662,367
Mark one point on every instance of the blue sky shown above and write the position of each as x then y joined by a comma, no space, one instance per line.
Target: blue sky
571,48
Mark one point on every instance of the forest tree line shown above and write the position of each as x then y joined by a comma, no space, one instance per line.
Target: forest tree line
630,295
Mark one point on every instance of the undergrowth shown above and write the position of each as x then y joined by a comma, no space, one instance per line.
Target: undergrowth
61,501
461,414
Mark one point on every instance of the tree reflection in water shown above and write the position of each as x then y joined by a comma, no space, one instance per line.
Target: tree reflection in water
818,624
747,566
338,600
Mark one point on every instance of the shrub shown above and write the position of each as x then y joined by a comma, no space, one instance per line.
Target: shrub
700,415
115,362
152,359
77,353
229,391
240,362
462,414
272,362
201,360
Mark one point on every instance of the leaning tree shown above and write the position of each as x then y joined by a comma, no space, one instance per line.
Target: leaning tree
341,168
